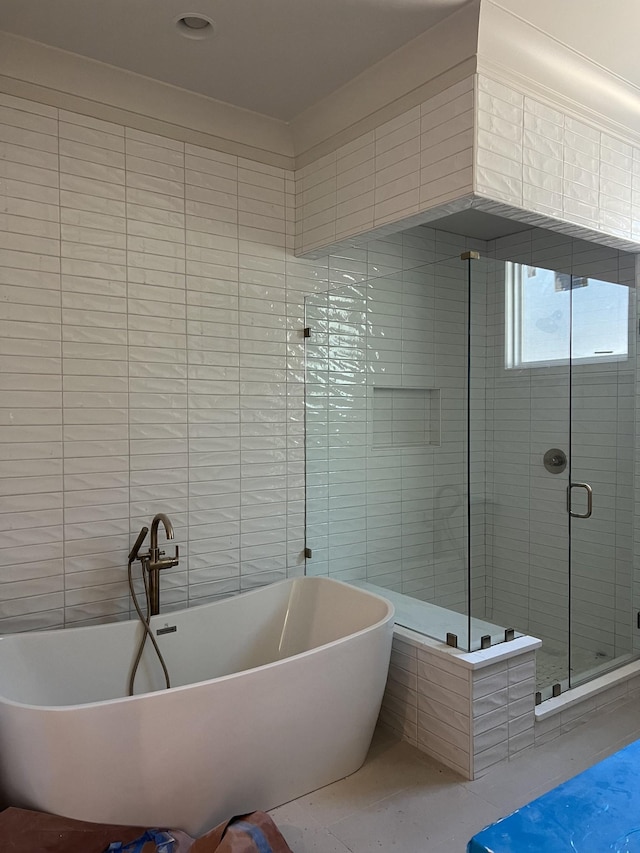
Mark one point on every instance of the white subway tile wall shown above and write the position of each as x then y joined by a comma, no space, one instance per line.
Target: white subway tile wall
445,702
428,703
478,142
152,355
470,719
152,359
399,710
94,375
420,159
503,711
31,427
532,155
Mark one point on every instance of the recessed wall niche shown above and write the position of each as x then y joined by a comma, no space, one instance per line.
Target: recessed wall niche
406,417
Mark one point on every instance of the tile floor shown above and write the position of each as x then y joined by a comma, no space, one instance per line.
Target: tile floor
552,663
401,800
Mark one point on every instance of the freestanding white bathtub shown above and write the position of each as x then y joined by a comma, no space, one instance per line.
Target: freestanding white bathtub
274,693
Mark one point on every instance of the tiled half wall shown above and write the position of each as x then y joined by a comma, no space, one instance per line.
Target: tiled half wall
470,711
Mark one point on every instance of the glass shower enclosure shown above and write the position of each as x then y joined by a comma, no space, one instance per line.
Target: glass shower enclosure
470,452
560,390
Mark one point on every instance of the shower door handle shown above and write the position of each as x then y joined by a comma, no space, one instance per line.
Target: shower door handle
589,492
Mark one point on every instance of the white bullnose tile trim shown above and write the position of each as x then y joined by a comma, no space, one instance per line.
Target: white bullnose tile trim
469,660
579,695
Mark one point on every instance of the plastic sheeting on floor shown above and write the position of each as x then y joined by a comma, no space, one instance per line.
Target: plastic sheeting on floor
595,812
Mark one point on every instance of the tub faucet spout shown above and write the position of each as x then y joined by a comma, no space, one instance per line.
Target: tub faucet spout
155,560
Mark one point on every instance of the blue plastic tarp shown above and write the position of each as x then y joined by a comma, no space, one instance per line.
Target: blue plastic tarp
597,811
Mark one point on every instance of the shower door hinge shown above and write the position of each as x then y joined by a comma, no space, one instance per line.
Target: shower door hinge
485,641
452,640
638,619
306,332
470,256
308,553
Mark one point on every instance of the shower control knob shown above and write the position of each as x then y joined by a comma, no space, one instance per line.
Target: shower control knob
555,460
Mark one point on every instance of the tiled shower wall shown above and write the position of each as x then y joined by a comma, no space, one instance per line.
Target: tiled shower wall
530,411
151,359
387,427
388,526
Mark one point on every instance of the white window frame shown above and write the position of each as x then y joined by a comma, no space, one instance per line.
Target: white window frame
513,329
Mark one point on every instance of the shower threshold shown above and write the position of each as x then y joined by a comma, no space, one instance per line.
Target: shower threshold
552,665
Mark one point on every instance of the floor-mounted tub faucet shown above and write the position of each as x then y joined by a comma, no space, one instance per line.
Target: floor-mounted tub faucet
154,561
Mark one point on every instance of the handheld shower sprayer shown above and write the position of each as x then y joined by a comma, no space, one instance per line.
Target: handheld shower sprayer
138,544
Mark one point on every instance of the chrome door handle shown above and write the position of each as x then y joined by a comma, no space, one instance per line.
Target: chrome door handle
589,492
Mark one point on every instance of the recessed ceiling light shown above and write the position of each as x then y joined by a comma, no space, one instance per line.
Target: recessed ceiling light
193,25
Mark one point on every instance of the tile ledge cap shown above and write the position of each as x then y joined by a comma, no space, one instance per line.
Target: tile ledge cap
470,660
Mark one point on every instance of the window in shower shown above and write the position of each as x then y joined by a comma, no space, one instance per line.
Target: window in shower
551,317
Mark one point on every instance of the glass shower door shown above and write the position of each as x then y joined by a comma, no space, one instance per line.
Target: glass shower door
564,400
571,356
600,492
529,387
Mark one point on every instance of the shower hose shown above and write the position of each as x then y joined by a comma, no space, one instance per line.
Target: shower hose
144,620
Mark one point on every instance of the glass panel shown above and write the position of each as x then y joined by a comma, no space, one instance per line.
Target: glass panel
519,411
498,473
433,396
602,460
386,387
336,432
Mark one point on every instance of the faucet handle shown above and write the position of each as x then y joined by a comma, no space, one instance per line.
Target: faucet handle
172,561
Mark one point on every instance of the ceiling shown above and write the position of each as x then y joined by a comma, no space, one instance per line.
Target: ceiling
479,224
275,57
605,32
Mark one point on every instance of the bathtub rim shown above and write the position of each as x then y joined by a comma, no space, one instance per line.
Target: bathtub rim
221,678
